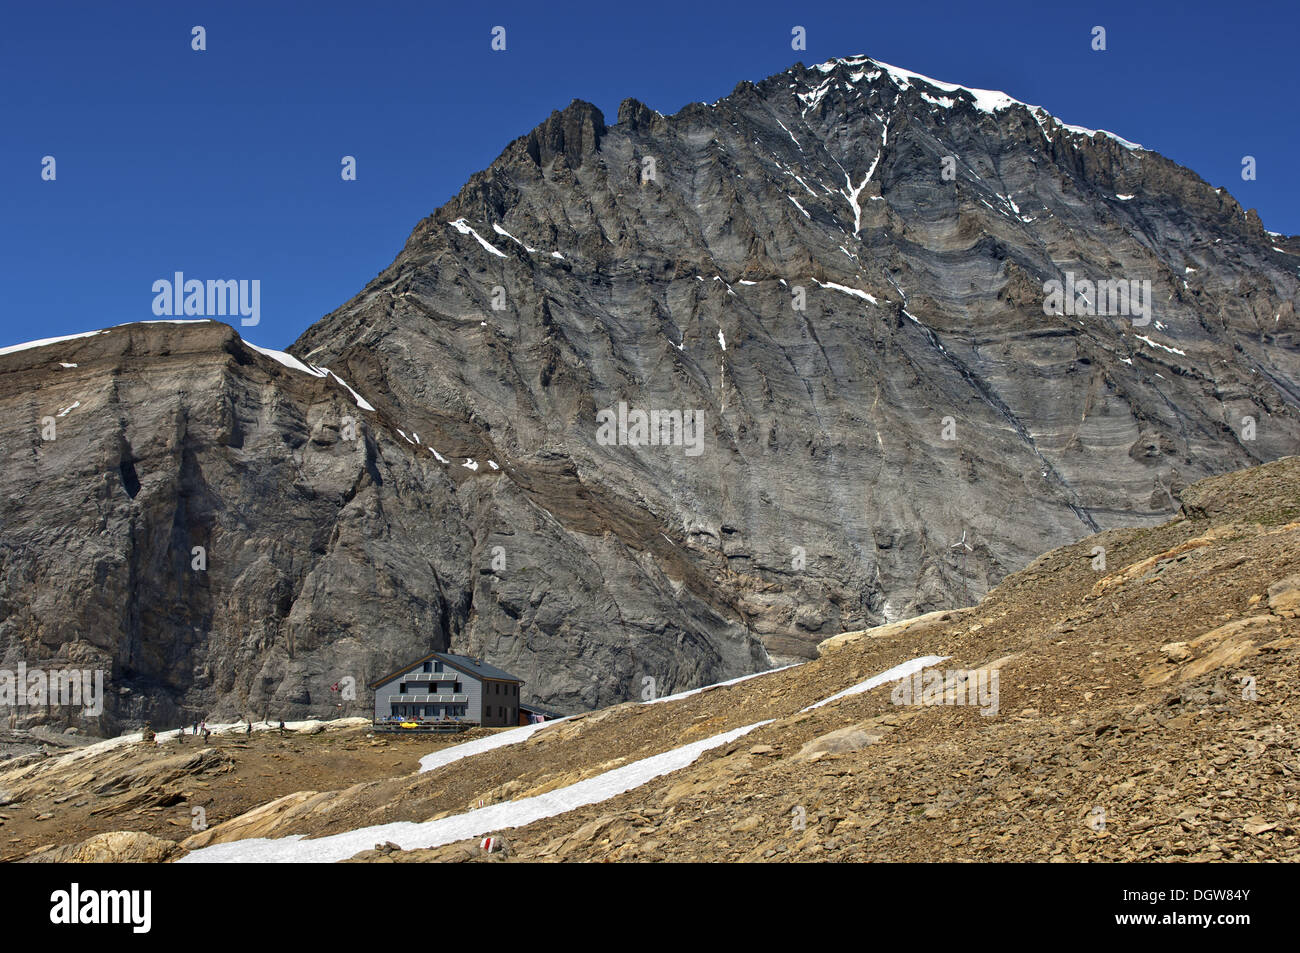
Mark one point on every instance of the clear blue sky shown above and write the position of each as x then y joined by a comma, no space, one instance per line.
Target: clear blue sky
225,163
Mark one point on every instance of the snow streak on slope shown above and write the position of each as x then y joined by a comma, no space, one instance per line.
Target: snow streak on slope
445,756
989,101
464,228
411,835
308,726
12,348
496,817
730,681
281,357
291,362
42,342
895,674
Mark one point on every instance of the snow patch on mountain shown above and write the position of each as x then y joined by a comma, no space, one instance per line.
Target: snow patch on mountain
464,228
897,673
411,836
990,101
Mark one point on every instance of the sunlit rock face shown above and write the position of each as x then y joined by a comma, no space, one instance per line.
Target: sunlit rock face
655,404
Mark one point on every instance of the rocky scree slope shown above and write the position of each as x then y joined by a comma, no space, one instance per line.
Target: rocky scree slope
1142,712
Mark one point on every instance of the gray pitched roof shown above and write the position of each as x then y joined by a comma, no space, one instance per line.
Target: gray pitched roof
464,663
479,668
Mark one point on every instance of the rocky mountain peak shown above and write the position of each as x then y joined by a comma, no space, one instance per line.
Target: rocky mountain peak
573,133
634,114
839,277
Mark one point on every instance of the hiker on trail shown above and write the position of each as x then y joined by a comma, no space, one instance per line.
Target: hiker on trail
281,726
196,727
248,732
206,734
180,735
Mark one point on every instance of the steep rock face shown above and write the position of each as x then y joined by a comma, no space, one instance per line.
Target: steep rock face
912,433
657,262
169,437
331,548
